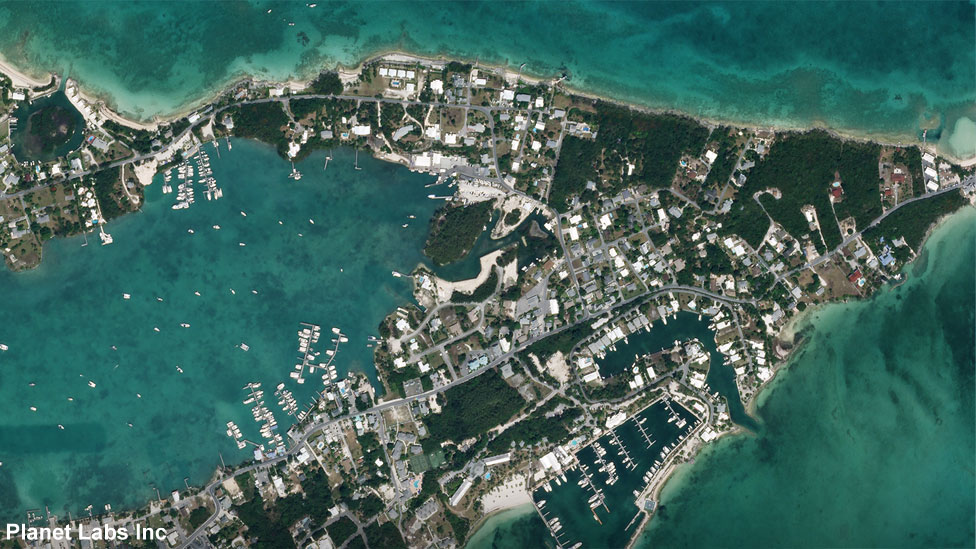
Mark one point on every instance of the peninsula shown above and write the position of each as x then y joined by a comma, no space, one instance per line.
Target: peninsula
648,271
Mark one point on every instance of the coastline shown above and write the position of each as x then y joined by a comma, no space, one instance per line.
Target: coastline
19,77
522,510
785,364
751,405
110,111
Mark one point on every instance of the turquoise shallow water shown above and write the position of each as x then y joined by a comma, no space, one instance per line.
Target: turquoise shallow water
866,67
867,438
516,527
62,320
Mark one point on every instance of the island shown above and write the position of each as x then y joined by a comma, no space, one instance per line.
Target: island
649,272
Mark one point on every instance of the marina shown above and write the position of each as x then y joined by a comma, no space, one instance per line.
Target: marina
676,328
188,175
593,497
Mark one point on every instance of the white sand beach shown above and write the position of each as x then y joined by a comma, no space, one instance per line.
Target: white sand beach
510,494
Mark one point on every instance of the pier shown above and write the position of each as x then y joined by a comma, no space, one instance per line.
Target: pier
612,472
640,427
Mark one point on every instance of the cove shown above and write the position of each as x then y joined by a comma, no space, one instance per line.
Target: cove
62,320
470,265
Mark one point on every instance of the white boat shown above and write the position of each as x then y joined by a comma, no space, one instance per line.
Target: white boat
91,384
3,347
185,325
126,296
244,346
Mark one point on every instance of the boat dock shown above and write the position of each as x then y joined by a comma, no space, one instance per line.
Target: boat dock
609,476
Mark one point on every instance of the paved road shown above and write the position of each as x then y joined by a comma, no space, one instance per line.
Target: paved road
968,182
313,429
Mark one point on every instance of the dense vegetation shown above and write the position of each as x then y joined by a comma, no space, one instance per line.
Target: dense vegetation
263,529
802,167
513,217
110,199
327,83
728,154
369,506
460,525
474,407
562,342
264,122
301,108
340,530
652,142
386,536
534,429
314,504
912,158
197,517
576,166
454,230
913,220
136,139
481,293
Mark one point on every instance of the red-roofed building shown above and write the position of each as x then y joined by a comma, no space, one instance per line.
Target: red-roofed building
855,276
836,190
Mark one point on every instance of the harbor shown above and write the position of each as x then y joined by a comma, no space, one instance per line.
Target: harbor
675,329
242,306
188,174
595,496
